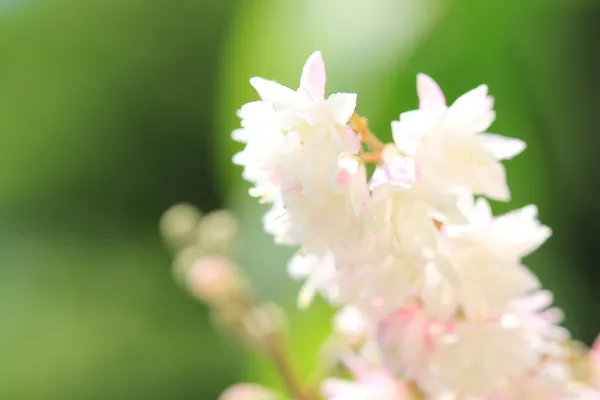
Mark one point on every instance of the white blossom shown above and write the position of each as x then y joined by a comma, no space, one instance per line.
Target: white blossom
449,145
486,254
408,206
471,358
294,138
433,290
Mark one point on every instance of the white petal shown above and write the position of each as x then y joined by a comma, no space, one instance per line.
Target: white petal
273,92
482,212
431,97
493,181
473,111
501,147
241,135
408,131
521,230
256,109
342,106
349,141
313,76
301,265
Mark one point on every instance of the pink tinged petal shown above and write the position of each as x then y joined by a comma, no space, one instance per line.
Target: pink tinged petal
502,148
342,106
398,172
274,93
349,141
313,76
473,111
431,97
535,302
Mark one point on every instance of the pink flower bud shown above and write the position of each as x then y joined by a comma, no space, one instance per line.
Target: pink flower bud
214,279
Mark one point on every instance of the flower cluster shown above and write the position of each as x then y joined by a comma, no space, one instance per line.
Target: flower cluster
420,268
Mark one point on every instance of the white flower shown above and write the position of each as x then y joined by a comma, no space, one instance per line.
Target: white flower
407,207
448,143
432,285
379,288
337,221
407,340
295,137
486,257
471,358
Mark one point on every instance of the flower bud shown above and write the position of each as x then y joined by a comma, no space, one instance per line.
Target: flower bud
214,279
178,225
184,260
217,231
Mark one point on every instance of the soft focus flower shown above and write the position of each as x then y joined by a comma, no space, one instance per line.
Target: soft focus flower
247,391
448,143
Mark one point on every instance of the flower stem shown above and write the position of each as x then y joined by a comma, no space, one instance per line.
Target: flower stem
279,355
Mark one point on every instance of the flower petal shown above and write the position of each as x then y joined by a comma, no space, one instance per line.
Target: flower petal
408,131
313,76
342,106
274,93
493,179
473,111
503,148
521,230
349,141
431,97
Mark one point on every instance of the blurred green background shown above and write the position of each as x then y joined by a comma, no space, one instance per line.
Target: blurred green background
113,110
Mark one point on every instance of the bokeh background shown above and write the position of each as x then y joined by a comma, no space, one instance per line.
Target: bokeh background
111,111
